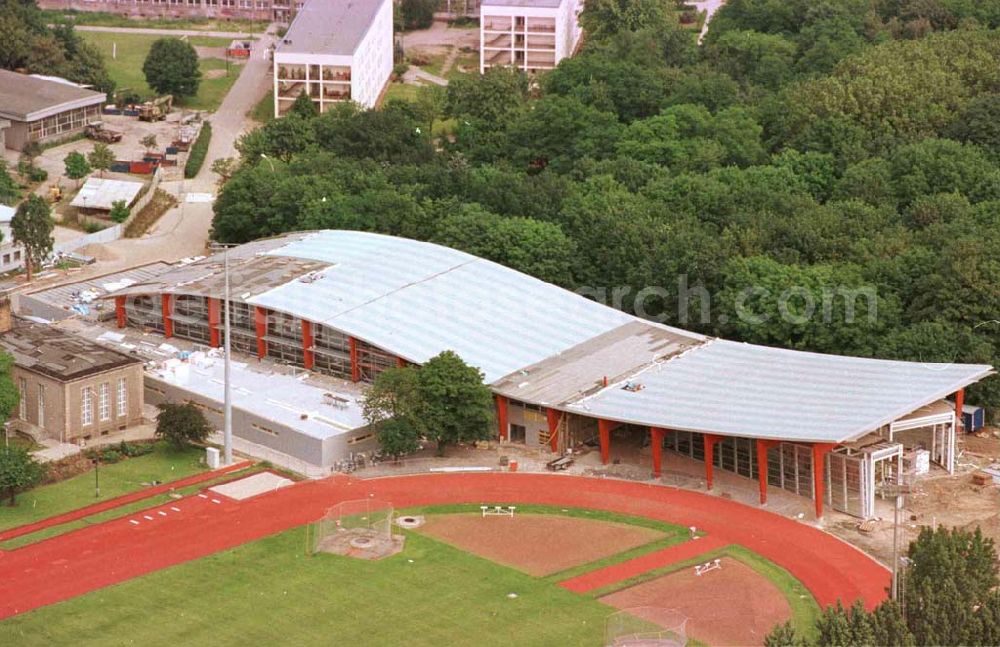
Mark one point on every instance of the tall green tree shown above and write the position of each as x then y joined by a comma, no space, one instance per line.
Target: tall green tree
171,67
76,166
101,157
32,227
455,405
181,424
10,192
18,471
392,408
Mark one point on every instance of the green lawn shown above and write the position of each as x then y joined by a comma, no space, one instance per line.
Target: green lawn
263,112
163,464
125,510
270,592
126,67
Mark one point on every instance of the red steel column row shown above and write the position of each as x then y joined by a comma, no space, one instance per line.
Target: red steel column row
308,356
352,345
120,311
553,416
260,327
709,441
214,321
168,323
502,416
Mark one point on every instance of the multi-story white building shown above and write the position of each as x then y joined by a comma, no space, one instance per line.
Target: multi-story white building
335,50
531,35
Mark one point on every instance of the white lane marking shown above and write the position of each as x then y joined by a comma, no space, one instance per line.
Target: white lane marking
216,501
161,513
133,521
147,517
175,509
203,496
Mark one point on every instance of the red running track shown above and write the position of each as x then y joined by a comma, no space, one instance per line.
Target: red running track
124,499
90,558
643,564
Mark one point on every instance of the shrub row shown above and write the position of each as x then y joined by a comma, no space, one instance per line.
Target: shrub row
198,151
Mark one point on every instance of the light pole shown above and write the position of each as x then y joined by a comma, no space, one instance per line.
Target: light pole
268,159
227,425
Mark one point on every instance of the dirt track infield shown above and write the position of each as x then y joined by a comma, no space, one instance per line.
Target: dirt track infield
538,544
734,605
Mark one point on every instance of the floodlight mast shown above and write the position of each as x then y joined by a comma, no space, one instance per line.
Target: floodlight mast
227,425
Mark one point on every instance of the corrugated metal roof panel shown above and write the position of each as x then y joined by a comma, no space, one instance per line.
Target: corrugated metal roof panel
759,392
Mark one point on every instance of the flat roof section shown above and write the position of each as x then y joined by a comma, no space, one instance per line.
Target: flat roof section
55,353
84,298
315,411
29,98
333,27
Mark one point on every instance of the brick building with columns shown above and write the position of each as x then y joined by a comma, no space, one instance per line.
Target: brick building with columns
566,370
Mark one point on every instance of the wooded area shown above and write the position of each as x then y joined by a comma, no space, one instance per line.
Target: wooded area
839,145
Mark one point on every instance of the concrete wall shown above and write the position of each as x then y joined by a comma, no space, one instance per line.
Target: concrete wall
259,430
64,400
534,422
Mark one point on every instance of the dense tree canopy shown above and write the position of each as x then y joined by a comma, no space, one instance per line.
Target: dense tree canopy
834,165
28,42
171,67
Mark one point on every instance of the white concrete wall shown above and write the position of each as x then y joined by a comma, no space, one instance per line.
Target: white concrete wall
567,32
370,65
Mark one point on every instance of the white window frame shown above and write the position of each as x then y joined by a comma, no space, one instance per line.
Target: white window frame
41,405
86,406
122,397
104,401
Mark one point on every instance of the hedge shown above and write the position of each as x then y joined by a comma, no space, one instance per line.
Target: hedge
198,151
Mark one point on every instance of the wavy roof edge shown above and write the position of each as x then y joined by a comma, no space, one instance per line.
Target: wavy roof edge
545,345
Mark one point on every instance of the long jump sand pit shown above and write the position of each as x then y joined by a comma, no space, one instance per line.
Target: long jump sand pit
538,544
733,605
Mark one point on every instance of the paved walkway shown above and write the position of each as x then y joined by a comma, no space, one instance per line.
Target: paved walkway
124,499
643,564
711,6
97,556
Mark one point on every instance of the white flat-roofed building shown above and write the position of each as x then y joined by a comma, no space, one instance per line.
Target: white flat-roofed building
532,35
335,50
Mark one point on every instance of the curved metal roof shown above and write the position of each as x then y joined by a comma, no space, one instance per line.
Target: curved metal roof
545,345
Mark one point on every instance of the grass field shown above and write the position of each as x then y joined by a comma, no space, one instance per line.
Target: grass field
126,68
129,475
124,510
430,594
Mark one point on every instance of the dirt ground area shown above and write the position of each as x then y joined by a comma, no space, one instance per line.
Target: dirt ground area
939,499
535,543
733,605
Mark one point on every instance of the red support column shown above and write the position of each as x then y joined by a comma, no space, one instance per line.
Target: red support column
214,319
709,441
959,403
168,324
307,344
120,311
604,428
502,416
762,447
400,362
352,344
552,416
260,325
656,444
819,452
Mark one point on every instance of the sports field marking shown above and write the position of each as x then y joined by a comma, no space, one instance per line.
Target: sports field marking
216,501
147,517
161,513
175,509
133,521
202,496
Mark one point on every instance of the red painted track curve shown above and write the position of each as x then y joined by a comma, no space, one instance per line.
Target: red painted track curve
90,558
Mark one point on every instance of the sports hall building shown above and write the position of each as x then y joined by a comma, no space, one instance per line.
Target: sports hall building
566,370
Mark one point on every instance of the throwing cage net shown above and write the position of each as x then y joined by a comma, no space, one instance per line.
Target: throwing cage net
361,528
646,627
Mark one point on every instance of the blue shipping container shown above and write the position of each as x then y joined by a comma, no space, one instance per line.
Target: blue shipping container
973,418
